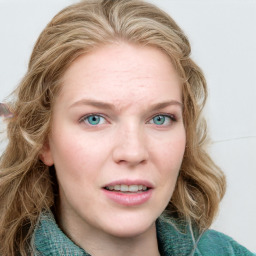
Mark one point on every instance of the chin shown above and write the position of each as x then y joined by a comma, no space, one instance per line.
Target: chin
131,227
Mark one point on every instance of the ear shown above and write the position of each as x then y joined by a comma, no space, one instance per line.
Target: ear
45,154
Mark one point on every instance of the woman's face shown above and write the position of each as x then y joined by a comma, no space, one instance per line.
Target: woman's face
117,125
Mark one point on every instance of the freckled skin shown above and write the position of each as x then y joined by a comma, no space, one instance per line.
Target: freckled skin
125,146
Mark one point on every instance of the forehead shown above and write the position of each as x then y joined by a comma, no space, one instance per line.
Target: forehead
122,73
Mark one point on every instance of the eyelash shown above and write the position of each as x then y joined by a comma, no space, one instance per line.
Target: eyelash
171,116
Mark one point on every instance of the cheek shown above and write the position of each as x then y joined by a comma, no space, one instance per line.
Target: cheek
78,157
170,151
168,158
68,157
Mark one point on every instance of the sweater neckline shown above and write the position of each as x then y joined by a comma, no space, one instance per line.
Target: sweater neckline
49,239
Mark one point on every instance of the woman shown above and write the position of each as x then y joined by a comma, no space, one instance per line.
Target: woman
106,146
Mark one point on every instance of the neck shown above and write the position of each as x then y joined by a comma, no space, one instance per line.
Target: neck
99,243
144,244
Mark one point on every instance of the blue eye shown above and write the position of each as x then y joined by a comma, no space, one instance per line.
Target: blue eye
161,120
94,119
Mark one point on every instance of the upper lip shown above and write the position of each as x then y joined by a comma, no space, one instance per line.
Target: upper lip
130,182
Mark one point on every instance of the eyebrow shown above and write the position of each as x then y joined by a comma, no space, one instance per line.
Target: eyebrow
166,104
110,106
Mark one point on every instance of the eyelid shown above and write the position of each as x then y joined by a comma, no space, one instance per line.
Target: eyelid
171,116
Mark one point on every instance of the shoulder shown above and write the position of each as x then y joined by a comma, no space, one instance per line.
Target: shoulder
179,238
212,242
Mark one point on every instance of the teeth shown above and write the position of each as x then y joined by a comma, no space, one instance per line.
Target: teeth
117,187
126,188
133,188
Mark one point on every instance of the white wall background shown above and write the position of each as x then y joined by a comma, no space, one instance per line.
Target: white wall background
223,38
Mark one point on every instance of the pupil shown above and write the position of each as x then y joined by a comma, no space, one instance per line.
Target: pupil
94,119
159,119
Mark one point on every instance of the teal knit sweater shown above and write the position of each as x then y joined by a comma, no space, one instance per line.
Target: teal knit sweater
49,240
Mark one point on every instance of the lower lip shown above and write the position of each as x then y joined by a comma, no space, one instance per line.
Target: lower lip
131,199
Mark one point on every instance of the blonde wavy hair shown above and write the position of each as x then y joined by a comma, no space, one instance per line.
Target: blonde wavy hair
26,185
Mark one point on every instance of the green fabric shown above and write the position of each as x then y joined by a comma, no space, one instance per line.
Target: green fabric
210,243
49,240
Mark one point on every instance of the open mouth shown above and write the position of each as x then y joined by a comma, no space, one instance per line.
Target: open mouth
127,188
128,193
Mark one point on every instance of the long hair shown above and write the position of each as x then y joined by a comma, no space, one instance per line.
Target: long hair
26,186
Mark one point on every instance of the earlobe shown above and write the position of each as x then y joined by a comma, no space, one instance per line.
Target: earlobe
45,155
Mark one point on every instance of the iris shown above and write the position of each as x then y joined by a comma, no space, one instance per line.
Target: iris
159,120
94,119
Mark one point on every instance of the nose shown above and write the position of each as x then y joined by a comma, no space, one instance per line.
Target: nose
130,147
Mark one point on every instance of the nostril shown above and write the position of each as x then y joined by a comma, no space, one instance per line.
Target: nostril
133,156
